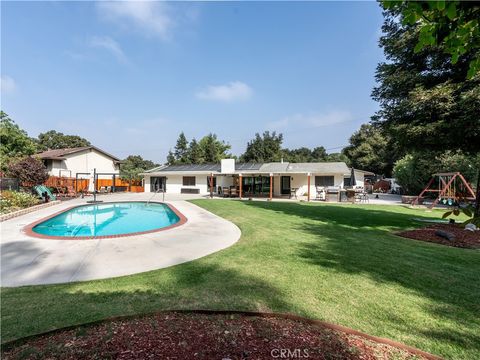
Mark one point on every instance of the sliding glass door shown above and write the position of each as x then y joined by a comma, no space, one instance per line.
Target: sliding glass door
256,185
158,183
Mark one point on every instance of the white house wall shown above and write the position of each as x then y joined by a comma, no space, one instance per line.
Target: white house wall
84,162
299,181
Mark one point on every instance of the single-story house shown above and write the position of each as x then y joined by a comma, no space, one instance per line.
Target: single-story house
80,162
274,179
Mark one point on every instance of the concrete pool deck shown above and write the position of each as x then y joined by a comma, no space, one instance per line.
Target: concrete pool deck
26,260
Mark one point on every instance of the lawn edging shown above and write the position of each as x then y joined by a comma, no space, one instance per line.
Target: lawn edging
9,344
28,210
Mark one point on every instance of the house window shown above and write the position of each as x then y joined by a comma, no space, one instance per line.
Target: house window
324,181
189,181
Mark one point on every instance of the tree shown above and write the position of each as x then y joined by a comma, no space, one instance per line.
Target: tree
425,99
319,154
369,149
414,170
195,155
170,158
28,170
212,149
133,166
338,157
14,142
264,148
454,25
57,140
181,149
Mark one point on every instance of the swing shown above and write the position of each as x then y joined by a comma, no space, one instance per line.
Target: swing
447,193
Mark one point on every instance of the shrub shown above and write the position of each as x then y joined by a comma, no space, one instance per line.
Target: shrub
28,170
414,170
14,200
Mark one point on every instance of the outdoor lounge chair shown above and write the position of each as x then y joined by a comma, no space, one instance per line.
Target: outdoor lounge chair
233,192
226,192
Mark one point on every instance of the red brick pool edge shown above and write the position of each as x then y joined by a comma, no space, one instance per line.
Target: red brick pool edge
28,229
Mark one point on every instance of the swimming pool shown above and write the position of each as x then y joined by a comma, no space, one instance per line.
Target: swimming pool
107,220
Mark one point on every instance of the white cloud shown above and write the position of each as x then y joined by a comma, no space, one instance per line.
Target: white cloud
233,91
152,18
8,85
109,44
313,120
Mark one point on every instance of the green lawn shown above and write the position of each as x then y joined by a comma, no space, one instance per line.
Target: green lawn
336,263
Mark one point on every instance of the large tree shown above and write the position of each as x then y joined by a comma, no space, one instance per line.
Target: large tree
425,99
195,154
212,149
369,149
432,47
305,155
57,140
181,149
264,148
133,166
208,150
14,142
454,25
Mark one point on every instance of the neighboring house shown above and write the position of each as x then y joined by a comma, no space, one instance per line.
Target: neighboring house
80,161
255,178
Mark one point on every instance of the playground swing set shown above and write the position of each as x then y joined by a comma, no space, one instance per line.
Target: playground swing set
451,188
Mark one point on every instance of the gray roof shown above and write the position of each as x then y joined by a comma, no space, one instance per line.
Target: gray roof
259,168
186,167
59,154
320,167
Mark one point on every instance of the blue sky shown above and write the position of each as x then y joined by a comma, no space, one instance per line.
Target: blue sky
129,76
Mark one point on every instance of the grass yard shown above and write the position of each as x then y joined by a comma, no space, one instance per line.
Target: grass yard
338,263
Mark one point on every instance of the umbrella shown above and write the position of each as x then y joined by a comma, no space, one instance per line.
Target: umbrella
353,182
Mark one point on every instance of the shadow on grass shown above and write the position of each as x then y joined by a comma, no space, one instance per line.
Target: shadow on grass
194,285
357,240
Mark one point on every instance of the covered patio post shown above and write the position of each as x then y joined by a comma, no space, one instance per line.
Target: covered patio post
240,186
271,184
211,185
308,182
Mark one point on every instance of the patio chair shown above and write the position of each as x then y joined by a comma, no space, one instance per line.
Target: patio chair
233,192
293,193
226,192
70,192
321,193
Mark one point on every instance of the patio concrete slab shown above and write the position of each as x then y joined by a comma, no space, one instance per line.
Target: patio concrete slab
32,261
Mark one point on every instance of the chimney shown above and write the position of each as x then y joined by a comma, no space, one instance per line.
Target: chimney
227,166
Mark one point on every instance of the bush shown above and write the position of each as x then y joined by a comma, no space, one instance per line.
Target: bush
15,200
28,170
414,170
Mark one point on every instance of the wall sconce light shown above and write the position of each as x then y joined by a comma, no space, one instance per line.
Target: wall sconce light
292,177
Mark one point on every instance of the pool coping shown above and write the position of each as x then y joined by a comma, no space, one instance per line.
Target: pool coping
28,229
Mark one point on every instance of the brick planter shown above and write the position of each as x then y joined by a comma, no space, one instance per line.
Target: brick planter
28,210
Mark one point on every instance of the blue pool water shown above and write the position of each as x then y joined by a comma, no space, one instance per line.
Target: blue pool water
108,219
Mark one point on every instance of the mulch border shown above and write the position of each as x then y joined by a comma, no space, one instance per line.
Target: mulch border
28,229
349,331
399,234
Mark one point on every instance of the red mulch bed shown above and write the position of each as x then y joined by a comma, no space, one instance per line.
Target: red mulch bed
463,238
200,336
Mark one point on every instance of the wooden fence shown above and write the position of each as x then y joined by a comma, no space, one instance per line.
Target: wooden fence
83,184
